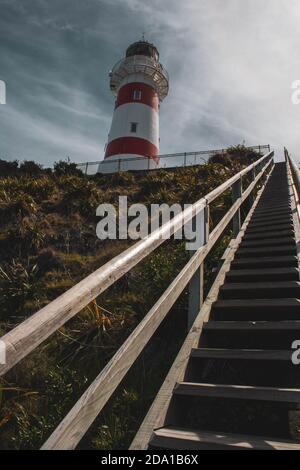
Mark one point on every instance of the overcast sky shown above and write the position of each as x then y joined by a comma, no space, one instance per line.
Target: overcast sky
231,65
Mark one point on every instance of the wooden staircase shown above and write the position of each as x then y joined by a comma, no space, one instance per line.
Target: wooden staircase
240,384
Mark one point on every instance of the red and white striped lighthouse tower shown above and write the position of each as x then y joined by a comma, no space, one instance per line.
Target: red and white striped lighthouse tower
140,83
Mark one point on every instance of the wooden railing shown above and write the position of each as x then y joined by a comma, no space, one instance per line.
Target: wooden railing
32,332
295,171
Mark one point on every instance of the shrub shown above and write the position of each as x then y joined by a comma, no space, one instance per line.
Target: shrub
66,168
8,168
30,168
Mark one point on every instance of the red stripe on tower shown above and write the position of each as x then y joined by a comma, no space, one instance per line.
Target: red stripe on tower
139,93
131,145
139,83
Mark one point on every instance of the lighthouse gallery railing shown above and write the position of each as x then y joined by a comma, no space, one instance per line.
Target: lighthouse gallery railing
171,160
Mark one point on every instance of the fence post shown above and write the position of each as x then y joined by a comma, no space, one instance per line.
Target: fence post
184,163
197,281
236,194
86,168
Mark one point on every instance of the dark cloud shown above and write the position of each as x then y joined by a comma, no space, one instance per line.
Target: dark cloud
231,65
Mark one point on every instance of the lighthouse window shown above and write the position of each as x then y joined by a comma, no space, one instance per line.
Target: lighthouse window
133,127
137,94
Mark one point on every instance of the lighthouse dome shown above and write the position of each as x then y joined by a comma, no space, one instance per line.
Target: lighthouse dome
142,48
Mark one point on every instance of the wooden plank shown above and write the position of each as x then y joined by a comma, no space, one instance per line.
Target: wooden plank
190,439
236,194
266,261
295,207
270,234
264,274
284,325
269,242
158,411
243,392
32,332
282,249
254,304
242,354
196,284
270,228
263,290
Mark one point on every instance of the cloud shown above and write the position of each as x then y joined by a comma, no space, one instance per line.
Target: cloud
231,66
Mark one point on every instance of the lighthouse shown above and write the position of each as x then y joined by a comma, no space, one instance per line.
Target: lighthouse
140,83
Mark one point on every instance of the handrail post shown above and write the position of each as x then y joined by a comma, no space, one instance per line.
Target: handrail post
196,284
252,174
236,194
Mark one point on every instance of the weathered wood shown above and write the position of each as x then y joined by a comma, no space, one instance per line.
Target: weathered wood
195,295
183,439
284,325
197,281
295,205
236,194
244,392
242,354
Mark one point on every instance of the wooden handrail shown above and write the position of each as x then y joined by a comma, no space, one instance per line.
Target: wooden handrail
32,332
295,171
78,420
24,338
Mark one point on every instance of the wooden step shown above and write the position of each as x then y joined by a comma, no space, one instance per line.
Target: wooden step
267,220
268,242
266,224
242,354
250,334
241,366
267,274
264,262
260,290
177,438
249,326
271,213
269,235
270,228
244,392
256,309
266,212
281,250
264,205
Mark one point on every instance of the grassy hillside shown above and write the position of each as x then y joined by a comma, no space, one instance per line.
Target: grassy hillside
47,244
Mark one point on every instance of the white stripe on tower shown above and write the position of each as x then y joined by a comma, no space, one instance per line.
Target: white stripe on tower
135,125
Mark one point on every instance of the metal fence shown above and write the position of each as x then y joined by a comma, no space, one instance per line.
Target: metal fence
172,160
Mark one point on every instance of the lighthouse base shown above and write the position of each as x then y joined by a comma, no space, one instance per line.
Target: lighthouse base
127,162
